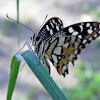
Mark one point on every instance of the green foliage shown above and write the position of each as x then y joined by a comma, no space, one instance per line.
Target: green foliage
88,84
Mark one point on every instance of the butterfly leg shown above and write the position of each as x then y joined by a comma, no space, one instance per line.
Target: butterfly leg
28,45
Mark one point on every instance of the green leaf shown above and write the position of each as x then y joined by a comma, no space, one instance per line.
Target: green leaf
13,76
43,76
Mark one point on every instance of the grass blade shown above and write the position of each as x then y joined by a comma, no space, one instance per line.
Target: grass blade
43,76
18,26
13,76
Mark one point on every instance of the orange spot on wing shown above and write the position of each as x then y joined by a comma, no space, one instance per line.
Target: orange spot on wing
59,71
63,61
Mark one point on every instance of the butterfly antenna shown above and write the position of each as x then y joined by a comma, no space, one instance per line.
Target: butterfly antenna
42,24
19,23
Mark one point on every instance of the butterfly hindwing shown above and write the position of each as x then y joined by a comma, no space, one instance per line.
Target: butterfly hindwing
62,51
66,46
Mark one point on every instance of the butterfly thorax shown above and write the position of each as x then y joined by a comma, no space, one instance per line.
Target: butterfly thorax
38,45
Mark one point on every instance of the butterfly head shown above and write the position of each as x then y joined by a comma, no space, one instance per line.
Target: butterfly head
35,39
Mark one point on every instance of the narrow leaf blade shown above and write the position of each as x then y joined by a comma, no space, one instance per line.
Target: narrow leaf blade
43,76
13,76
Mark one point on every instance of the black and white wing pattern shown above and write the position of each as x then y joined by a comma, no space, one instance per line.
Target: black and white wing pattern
51,27
62,45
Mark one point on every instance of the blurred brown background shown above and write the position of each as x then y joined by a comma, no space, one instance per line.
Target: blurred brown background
83,82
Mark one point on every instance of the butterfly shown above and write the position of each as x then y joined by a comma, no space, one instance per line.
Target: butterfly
61,45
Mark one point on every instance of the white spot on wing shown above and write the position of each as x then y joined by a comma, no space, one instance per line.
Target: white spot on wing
75,33
88,25
47,27
84,41
54,58
51,32
71,57
71,29
57,28
59,21
90,31
52,25
90,38
53,20
76,51
95,35
80,36
95,28
64,68
57,50
59,57
81,28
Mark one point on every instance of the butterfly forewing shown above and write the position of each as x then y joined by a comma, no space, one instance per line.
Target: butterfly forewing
51,27
62,45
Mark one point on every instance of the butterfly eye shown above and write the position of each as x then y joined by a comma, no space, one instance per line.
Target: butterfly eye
37,37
